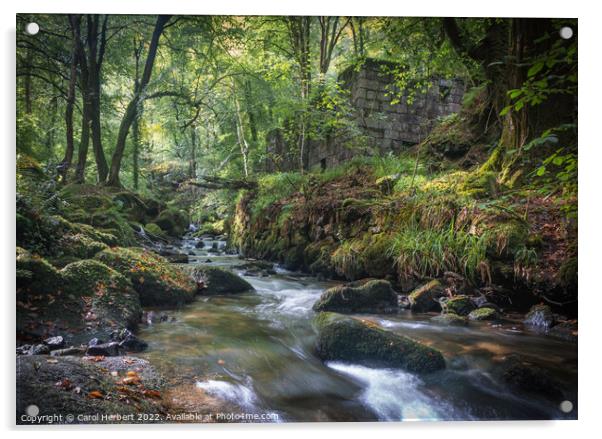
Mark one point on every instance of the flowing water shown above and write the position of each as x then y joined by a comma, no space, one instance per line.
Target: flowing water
256,352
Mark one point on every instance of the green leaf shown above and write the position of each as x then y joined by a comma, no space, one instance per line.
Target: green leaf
535,69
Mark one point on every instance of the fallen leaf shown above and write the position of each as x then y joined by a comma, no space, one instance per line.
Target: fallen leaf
149,393
95,394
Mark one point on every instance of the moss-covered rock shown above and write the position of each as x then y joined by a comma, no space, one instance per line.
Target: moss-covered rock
214,280
424,298
343,338
174,222
64,226
450,319
373,296
158,282
484,314
35,276
73,385
155,231
461,305
80,246
113,301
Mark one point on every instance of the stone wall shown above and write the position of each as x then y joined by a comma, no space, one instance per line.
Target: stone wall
385,125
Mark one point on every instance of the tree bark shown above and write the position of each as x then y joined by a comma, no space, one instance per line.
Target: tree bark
132,108
68,158
95,59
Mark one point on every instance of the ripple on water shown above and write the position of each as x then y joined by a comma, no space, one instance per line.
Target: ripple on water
394,395
238,394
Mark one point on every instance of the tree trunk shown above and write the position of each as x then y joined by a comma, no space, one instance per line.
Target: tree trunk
193,141
242,142
95,58
68,159
84,144
132,108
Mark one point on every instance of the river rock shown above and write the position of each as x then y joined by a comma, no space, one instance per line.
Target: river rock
199,244
565,331
56,342
461,305
540,316
65,386
216,280
450,319
111,349
128,341
157,282
73,350
39,349
374,296
342,338
425,298
483,314
525,377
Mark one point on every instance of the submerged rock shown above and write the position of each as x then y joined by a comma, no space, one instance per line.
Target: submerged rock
425,298
157,282
484,314
540,316
348,339
565,331
373,296
450,319
525,377
216,280
461,305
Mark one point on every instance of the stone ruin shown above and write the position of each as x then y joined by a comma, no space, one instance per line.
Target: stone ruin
385,126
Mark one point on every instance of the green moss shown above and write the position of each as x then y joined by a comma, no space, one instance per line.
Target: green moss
113,299
156,280
450,319
154,230
460,305
373,296
347,259
35,276
173,221
348,339
424,298
568,274
483,314
80,246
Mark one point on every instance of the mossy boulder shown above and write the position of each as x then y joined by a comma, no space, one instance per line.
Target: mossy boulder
35,276
174,222
155,231
158,282
113,301
85,299
425,298
373,296
214,281
450,319
484,314
461,305
343,338
64,226
80,246
540,316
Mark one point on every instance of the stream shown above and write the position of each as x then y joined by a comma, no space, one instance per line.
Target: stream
255,351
